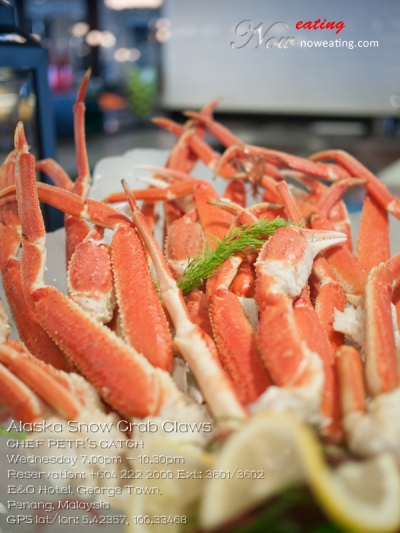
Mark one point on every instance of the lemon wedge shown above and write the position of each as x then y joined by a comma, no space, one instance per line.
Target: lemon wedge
273,451
177,472
363,497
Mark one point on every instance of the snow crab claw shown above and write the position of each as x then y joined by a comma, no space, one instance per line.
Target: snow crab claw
282,269
38,397
372,426
370,390
84,341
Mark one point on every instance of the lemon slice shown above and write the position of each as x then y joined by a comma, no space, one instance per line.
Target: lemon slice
178,475
274,451
363,497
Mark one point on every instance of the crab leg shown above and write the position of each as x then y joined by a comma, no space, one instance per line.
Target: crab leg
270,193
320,170
169,125
331,206
8,209
381,365
235,192
214,221
35,391
198,146
90,282
182,157
206,111
228,139
55,171
15,359
373,244
351,380
185,158
147,332
145,329
76,228
195,346
38,376
327,198
90,279
220,132
334,193
210,158
124,378
244,282
171,192
371,427
93,211
290,203
84,179
181,162
282,269
310,329
234,336
10,238
29,329
185,239
374,186
350,274
10,226
246,216
14,394
198,305
330,295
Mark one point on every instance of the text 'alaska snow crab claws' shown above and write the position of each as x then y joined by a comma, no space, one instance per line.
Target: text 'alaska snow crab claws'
265,304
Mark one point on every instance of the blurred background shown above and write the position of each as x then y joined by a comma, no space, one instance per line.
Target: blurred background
152,57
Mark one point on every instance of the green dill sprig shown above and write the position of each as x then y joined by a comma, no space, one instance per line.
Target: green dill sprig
12,434
243,239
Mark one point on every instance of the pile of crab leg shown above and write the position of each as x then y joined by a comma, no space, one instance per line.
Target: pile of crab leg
299,323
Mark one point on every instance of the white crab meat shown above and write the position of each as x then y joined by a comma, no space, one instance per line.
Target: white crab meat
351,322
377,430
304,401
5,330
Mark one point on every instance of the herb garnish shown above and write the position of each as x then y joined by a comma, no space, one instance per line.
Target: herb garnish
243,239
